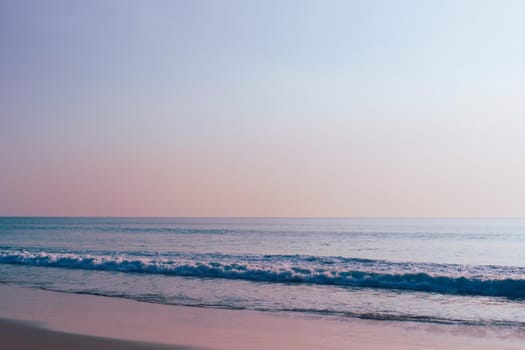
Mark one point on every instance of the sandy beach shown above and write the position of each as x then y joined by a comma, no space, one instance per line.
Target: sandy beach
26,336
54,320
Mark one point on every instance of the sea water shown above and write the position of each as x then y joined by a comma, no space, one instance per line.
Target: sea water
458,271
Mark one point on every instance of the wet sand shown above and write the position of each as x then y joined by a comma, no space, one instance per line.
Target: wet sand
57,321
17,335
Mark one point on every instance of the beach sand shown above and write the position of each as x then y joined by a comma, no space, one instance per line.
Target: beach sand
34,318
18,335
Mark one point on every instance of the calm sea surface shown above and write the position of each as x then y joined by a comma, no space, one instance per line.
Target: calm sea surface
459,271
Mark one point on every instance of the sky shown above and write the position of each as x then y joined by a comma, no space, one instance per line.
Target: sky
262,108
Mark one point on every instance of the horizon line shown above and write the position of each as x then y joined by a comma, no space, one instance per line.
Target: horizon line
259,217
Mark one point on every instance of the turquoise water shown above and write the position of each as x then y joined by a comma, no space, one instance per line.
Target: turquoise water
461,271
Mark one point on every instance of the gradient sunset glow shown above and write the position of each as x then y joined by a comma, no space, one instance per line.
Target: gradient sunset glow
271,108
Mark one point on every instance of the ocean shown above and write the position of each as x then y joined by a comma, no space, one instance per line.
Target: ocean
448,271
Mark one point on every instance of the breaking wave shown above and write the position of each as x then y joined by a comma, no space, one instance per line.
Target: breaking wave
487,280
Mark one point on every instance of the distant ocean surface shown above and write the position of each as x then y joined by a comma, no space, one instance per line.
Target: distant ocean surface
457,271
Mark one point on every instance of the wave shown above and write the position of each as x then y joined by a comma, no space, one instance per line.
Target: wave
497,281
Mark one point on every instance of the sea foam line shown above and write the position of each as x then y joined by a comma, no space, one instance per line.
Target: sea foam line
437,278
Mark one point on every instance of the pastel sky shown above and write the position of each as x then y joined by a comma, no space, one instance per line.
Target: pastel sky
262,108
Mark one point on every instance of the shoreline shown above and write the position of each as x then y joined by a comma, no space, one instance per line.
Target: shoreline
114,322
